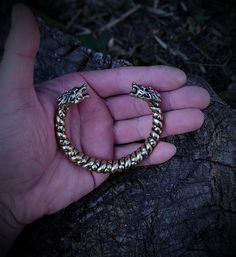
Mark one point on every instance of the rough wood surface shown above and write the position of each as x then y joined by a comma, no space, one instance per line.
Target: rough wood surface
185,207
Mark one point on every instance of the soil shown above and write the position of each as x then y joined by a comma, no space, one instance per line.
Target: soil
196,36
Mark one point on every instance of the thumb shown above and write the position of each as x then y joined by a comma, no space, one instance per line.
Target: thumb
17,67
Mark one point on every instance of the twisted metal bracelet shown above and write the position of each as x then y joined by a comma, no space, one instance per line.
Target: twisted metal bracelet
78,94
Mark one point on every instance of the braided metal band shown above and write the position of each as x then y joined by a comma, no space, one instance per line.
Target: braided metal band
77,95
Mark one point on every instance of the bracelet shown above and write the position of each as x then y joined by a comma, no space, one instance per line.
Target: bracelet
77,95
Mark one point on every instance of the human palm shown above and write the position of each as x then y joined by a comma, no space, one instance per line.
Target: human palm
45,178
36,178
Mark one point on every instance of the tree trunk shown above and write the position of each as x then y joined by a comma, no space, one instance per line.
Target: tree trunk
185,207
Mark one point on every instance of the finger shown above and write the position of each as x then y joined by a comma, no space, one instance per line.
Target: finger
118,81
162,152
126,107
16,70
175,122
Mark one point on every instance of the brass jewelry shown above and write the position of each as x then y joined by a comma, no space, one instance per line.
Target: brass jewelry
78,94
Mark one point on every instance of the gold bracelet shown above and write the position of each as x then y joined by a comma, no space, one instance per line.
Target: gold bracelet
77,95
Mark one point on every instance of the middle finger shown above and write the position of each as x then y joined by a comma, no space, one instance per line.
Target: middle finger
126,107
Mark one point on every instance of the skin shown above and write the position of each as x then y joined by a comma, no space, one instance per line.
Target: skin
35,176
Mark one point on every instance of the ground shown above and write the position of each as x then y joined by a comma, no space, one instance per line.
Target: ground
197,36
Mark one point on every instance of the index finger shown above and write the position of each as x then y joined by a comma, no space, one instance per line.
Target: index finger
118,80
21,47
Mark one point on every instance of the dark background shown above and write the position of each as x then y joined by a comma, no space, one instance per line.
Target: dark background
185,207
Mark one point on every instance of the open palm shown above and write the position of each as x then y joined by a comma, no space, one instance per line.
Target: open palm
36,178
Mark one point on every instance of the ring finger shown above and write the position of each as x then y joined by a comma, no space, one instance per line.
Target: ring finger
175,122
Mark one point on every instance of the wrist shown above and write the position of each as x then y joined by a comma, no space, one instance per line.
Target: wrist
10,227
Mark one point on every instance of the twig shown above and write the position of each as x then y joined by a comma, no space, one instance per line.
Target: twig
206,64
171,50
162,61
159,12
201,51
160,42
120,19
213,64
72,20
202,68
179,53
155,3
184,7
84,30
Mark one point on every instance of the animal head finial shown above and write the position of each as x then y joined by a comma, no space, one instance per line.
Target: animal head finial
145,93
74,95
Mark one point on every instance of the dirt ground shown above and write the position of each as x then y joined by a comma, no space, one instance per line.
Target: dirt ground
197,36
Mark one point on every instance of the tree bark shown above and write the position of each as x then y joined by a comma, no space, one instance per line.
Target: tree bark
185,207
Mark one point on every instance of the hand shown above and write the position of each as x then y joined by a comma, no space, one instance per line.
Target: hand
36,178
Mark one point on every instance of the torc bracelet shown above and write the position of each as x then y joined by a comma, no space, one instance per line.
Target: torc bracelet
77,95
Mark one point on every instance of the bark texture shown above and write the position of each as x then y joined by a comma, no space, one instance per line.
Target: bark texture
185,207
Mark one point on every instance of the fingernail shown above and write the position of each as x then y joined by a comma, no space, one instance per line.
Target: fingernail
181,76
174,149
